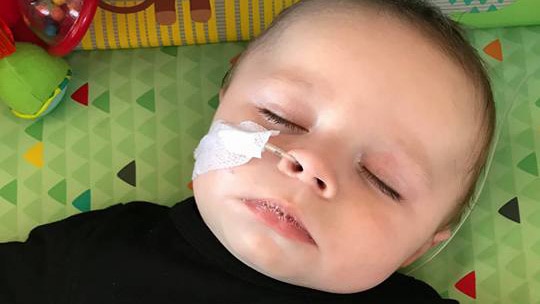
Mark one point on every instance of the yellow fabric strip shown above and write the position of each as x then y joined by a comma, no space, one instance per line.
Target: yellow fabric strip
212,24
244,19
278,7
132,30
98,30
164,32
268,4
123,35
230,20
86,42
109,29
256,17
188,29
141,28
200,33
151,22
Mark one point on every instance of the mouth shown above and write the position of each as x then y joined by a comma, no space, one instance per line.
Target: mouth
279,218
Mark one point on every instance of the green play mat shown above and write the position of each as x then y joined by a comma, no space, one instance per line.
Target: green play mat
132,118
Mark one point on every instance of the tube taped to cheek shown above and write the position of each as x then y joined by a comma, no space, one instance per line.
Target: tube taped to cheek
227,145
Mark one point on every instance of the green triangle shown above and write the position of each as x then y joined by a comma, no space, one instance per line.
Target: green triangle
522,113
123,92
532,190
105,183
489,256
33,183
192,76
83,201
59,192
147,100
150,183
80,121
9,220
9,192
506,182
82,147
146,76
149,155
35,130
172,122
491,8
58,137
148,128
513,239
522,293
127,146
525,139
485,227
173,147
170,50
10,139
104,156
214,101
536,248
34,211
529,164
125,119
491,283
537,103
169,69
102,102
102,77
103,129
9,164
148,55
82,174
169,93
173,176
58,164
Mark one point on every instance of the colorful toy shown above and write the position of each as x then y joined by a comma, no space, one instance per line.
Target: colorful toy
56,25
32,82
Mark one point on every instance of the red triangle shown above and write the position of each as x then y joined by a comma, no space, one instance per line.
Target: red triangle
190,185
467,284
81,95
494,49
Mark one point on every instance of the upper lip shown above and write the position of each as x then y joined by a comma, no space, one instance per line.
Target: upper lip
284,206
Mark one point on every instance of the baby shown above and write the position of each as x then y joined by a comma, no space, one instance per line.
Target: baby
385,114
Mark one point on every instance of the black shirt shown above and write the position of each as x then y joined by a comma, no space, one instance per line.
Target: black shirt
146,253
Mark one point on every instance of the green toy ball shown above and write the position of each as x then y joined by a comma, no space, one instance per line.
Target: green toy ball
32,82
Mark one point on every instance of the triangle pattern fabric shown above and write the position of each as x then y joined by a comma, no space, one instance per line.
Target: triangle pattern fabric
467,284
510,210
128,174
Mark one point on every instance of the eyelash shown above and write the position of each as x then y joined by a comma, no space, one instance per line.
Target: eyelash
384,188
372,178
276,119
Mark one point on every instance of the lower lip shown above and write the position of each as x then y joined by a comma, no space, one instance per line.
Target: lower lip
284,228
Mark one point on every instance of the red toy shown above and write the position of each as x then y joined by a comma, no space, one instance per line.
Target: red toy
56,25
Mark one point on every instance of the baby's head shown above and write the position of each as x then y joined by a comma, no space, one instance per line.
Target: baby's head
390,114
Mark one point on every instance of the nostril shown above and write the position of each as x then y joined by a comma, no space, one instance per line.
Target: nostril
297,167
321,184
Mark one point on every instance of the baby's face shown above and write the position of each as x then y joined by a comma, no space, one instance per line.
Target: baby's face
382,125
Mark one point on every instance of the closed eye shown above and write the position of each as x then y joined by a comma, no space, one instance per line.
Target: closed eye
278,120
381,186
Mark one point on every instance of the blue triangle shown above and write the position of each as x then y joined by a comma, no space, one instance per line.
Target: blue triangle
82,202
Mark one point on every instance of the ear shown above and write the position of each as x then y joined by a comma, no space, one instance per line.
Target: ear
438,237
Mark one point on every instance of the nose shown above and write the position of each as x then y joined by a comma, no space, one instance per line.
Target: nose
311,170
